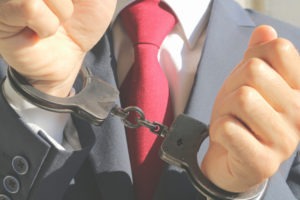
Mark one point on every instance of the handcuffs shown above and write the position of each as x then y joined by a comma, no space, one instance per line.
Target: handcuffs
96,101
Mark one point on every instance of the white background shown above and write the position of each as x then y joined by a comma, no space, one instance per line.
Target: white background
286,10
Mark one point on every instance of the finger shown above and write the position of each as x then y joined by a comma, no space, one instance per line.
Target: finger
259,75
8,30
34,14
63,9
244,150
261,35
42,20
267,125
282,56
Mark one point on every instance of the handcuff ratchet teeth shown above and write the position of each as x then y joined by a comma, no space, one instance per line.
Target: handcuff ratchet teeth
97,100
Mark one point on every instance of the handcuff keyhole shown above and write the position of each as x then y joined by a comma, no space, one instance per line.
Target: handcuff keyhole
179,142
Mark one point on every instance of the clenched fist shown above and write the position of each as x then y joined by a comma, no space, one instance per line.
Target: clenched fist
46,40
255,123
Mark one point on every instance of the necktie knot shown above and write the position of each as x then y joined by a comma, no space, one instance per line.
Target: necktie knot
148,21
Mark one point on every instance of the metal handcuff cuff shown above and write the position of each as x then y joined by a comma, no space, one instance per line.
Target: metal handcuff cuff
181,141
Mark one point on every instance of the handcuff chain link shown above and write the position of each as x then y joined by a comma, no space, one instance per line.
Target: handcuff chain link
140,120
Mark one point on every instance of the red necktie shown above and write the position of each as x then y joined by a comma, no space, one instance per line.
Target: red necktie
147,22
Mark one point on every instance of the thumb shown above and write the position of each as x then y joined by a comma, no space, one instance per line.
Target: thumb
262,34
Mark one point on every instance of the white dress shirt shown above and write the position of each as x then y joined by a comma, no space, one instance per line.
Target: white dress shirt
179,57
180,52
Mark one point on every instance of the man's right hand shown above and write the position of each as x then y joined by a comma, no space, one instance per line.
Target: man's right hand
46,40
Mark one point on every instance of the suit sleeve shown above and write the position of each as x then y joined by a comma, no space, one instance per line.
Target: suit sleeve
279,187
31,167
16,141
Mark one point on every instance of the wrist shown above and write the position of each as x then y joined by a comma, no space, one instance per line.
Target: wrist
51,74
226,187
57,88
55,81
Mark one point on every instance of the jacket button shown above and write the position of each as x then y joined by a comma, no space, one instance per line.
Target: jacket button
4,197
20,165
11,184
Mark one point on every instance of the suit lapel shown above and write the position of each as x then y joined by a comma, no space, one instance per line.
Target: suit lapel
228,33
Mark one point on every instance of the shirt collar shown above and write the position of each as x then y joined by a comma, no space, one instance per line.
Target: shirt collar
192,23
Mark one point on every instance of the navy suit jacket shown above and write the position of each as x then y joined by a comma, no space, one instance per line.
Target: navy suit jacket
101,169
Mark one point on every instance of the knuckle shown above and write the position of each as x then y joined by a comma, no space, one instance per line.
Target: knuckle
245,98
51,30
255,68
220,129
37,18
68,13
281,47
29,9
227,130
